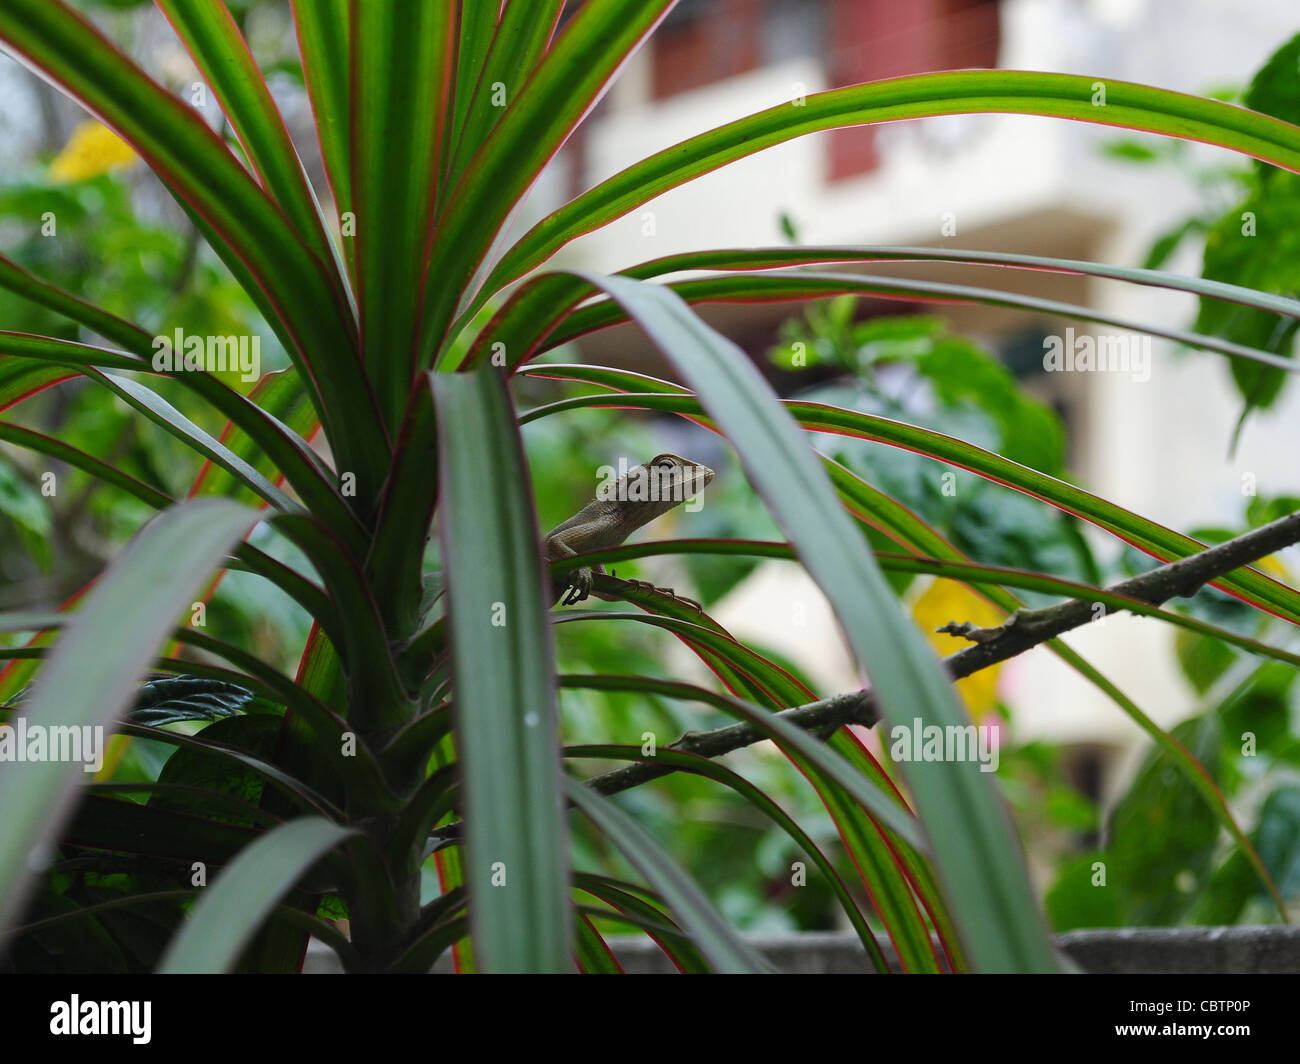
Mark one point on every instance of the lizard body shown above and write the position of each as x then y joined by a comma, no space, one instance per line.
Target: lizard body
635,499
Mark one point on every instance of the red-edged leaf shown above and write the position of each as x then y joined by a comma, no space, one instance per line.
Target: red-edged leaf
400,85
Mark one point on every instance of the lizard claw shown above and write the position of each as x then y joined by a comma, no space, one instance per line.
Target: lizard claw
580,581
669,592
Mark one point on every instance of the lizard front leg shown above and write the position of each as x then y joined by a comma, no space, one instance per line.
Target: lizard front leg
574,586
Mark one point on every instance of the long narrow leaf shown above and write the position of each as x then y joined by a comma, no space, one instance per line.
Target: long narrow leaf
92,672
768,807
520,39
209,32
478,23
976,853
563,88
905,527
231,910
773,258
781,287
533,311
1163,543
284,450
245,227
725,949
401,77
323,31
503,666
918,96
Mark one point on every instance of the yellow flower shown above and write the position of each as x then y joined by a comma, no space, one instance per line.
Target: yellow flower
93,149
1274,568
950,600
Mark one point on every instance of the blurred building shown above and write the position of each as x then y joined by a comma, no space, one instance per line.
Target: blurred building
995,182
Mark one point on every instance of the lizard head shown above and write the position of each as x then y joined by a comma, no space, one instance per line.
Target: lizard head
678,479
681,473
656,486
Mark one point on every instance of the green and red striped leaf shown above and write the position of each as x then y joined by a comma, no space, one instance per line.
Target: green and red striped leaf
918,96
558,94
401,70
246,228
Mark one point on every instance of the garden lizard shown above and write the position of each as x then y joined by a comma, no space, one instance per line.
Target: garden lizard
620,507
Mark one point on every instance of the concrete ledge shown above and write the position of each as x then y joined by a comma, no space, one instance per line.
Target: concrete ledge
1273,949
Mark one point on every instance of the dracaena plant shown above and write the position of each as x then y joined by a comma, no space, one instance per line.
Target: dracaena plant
424,716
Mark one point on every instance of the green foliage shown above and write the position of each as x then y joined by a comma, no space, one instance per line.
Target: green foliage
399,763
913,369
1250,239
1256,244
170,699
1166,861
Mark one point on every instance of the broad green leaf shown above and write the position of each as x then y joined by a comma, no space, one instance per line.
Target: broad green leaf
119,826
169,699
302,798
1255,243
1273,90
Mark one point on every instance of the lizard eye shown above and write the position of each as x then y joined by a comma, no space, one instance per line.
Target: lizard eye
665,461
